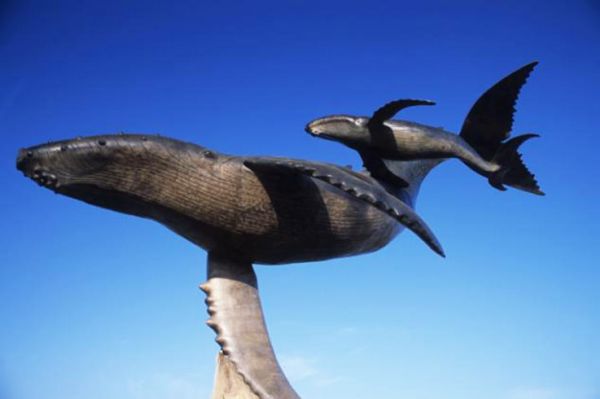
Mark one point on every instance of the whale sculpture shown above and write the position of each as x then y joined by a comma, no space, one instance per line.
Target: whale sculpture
242,211
483,143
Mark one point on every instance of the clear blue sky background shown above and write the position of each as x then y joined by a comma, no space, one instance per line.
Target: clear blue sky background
96,304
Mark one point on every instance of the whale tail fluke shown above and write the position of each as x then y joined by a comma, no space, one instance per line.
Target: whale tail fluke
487,129
513,171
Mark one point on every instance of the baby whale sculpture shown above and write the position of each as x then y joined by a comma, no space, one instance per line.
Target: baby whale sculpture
481,144
241,210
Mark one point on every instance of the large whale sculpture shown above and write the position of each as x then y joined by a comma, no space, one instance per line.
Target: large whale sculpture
241,210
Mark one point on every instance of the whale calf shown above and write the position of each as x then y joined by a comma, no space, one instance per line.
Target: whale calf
484,142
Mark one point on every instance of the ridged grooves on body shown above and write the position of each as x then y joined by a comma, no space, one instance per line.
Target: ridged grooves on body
214,200
224,207
357,186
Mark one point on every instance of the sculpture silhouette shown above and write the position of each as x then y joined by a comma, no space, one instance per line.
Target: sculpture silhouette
481,144
242,210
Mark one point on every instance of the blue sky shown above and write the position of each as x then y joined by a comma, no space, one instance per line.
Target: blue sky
100,305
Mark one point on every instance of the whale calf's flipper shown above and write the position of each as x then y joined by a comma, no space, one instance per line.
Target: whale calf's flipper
382,169
379,167
390,109
236,316
357,185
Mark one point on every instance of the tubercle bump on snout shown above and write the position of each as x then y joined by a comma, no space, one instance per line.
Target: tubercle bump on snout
97,142
80,142
60,163
43,162
114,140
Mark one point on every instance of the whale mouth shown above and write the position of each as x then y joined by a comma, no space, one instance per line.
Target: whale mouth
44,178
33,167
323,135
320,134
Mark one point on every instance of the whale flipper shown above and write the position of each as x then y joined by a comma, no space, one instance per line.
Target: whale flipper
377,166
359,186
382,169
237,318
390,109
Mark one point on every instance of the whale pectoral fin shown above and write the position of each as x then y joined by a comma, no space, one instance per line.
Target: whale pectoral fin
382,170
390,109
236,316
358,186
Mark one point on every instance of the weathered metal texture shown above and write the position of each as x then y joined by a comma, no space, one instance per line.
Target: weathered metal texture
268,214
236,316
213,200
246,210
359,186
484,142
229,384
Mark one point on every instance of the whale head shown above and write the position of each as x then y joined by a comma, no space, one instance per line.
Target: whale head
349,130
118,172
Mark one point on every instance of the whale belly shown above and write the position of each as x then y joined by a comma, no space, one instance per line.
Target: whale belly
278,217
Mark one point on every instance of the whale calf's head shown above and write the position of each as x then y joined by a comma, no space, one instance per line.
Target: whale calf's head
119,172
351,131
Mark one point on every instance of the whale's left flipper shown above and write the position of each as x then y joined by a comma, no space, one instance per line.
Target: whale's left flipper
237,318
359,186
380,168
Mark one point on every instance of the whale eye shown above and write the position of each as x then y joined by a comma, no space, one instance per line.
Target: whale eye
360,121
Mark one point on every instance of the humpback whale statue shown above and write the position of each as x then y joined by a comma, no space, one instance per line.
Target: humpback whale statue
245,210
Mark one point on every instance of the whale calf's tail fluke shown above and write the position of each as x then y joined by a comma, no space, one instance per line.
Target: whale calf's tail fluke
513,171
487,129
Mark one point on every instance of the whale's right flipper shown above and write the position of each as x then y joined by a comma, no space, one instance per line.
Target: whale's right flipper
357,185
237,318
